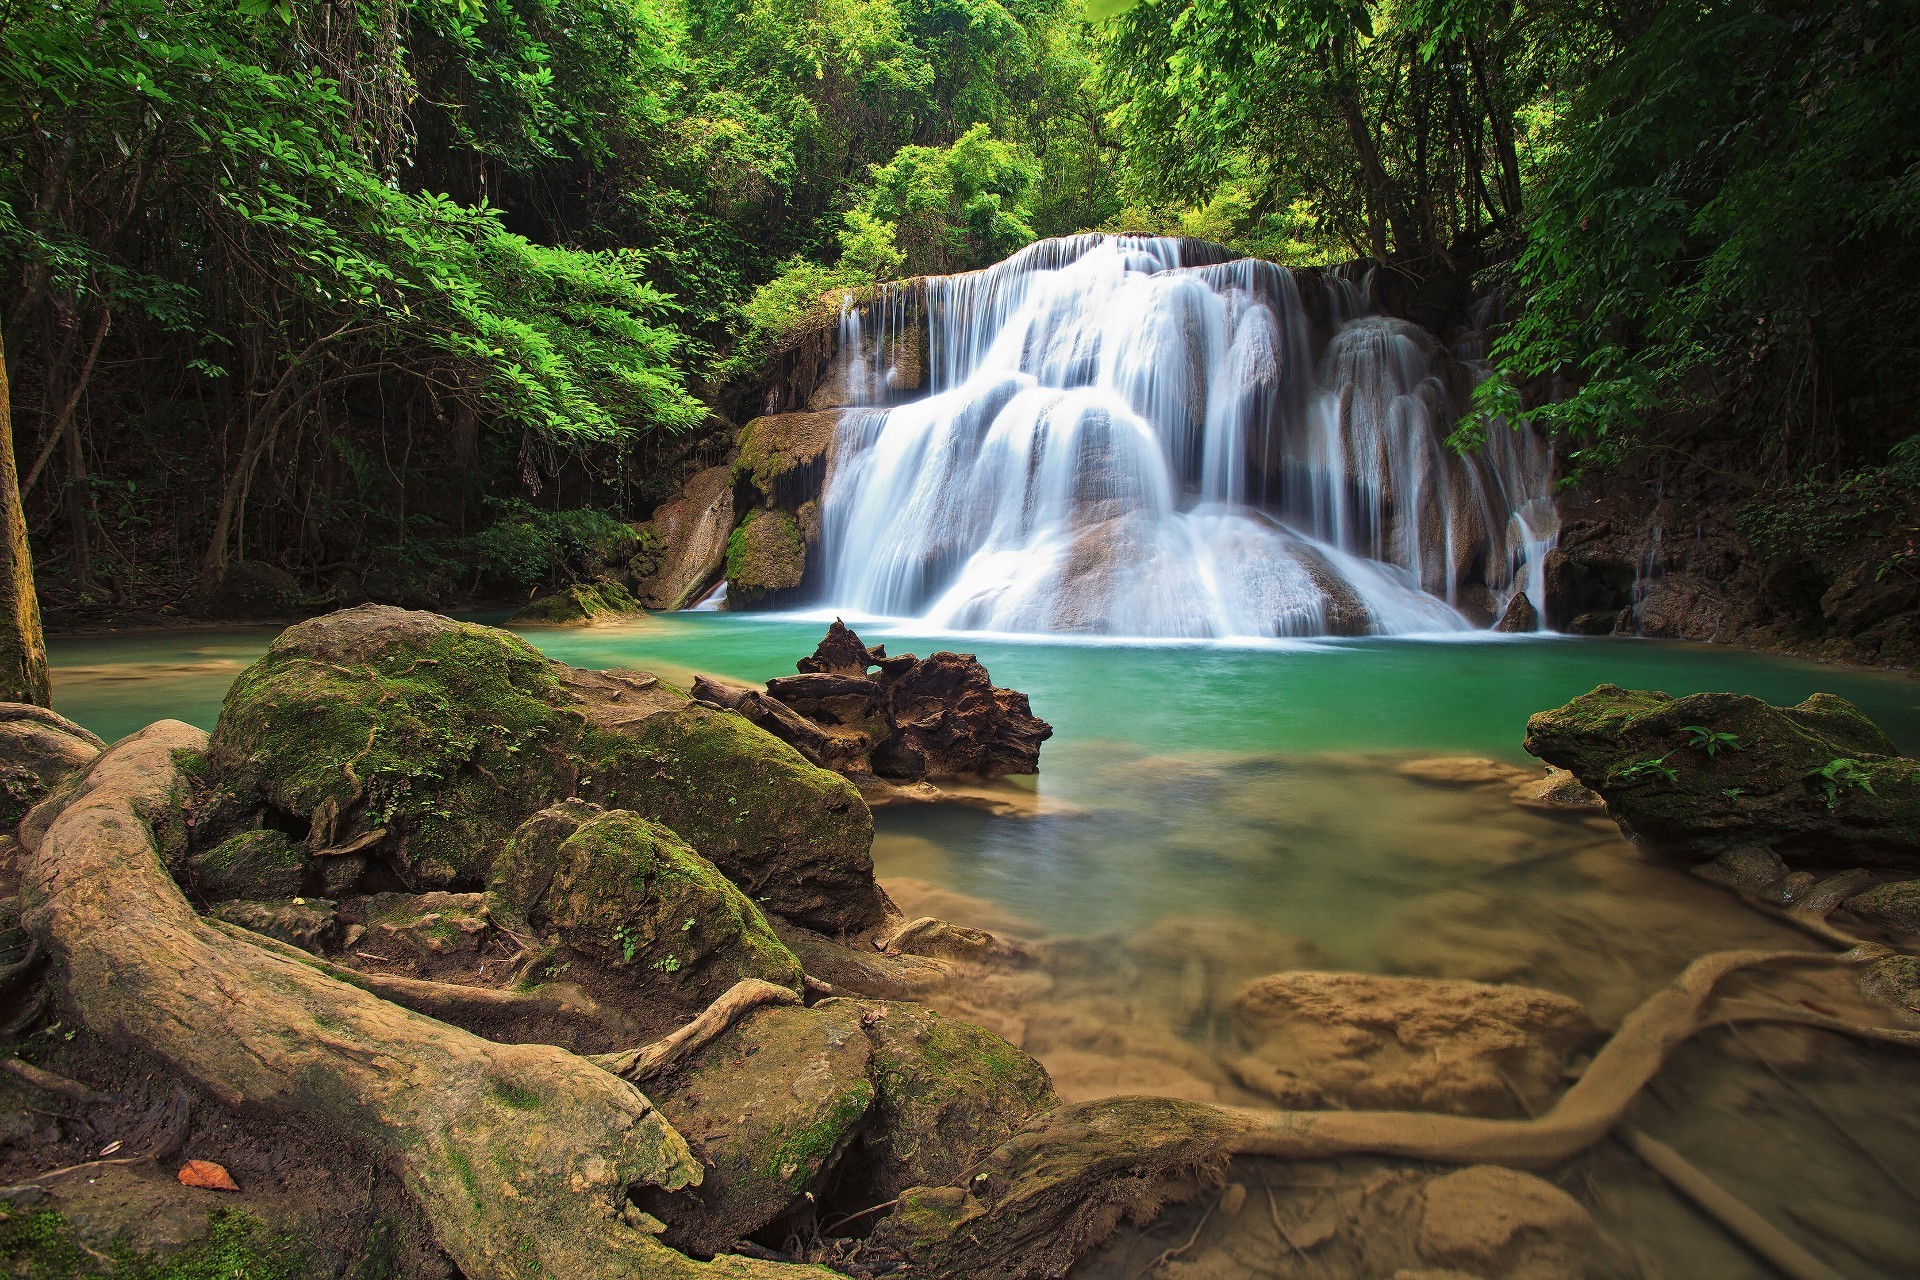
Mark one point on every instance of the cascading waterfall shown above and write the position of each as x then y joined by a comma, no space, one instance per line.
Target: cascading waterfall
1132,436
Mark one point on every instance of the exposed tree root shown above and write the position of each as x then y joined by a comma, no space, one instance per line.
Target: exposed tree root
520,1156
51,1082
640,1065
1740,1221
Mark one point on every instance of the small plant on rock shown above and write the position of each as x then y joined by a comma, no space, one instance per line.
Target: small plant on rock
1709,740
1656,767
1836,776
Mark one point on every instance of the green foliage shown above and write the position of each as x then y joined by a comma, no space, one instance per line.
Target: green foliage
1639,770
1818,519
1837,776
953,208
1712,741
39,1245
527,546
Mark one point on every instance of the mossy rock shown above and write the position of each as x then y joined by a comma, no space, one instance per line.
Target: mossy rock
1893,906
782,460
38,751
580,603
634,897
946,1093
1690,777
426,742
253,865
769,1107
436,923
766,560
312,924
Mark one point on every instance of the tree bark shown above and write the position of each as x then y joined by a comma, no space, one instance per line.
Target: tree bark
23,648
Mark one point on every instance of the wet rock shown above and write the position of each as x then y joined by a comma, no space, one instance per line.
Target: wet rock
424,743
1588,585
427,924
312,924
1894,981
632,896
1835,889
1558,792
1350,1040
38,751
768,1107
782,461
1489,1219
1463,771
1790,888
945,1094
1894,906
686,546
1749,868
250,589
1693,776
257,865
766,561
579,603
1519,615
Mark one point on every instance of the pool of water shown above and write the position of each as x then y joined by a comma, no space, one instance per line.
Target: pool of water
1212,814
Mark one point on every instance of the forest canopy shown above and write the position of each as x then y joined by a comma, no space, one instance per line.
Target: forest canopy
334,287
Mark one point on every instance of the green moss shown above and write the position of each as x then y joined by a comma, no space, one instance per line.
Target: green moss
257,865
516,1096
464,1170
39,1245
581,602
797,1156
766,553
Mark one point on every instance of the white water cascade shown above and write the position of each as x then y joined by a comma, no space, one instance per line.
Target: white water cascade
1138,436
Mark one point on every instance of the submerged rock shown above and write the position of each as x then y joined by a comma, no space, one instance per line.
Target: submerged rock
632,896
1749,869
1361,1041
424,743
1693,776
1558,792
38,751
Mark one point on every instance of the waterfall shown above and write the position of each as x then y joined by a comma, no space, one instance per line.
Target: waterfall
1141,436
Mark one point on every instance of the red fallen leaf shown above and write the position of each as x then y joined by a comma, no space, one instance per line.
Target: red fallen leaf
205,1173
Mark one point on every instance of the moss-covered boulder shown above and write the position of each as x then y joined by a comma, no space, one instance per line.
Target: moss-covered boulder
782,460
436,923
582,602
945,1093
254,865
38,751
633,897
1690,777
766,561
769,1108
425,743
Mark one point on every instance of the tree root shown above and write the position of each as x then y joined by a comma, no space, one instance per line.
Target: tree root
52,1082
519,1156
642,1064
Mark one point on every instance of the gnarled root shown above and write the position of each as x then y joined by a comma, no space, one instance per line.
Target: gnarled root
743,997
520,1156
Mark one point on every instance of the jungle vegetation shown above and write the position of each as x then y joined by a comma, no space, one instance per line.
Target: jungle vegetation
371,291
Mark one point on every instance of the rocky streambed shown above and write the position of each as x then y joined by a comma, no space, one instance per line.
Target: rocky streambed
543,966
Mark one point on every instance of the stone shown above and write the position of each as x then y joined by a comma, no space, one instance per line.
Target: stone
766,561
1749,868
1519,616
250,589
1485,1218
1363,1041
38,751
633,897
311,924
1691,777
687,547
1894,906
782,460
436,923
1558,792
1894,981
1462,771
1790,888
255,865
423,743
579,603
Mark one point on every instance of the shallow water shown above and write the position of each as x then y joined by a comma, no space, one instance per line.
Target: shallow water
1209,815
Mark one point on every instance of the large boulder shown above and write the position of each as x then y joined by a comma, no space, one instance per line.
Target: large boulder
1361,1041
38,751
630,895
688,542
766,561
1691,777
424,743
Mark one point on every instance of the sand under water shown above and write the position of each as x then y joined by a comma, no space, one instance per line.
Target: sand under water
1208,818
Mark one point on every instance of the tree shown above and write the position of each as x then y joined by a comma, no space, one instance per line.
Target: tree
23,651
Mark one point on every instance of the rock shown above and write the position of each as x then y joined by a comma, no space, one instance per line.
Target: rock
632,896
1790,888
1487,1219
579,603
689,541
427,924
250,589
255,865
766,561
946,1093
1749,868
1361,1041
424,743
1587,587
1558,792
311,924
840,653
782,461
1894,906
1519,615
1693,776
768,1107
1895,982
38,751
1463,771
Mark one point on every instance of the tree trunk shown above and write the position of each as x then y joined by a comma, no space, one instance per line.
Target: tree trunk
23,649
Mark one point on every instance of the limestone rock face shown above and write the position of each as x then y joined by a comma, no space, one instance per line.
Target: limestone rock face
1361,1041
635,898
423,743
689,541
778,476
38,751
1819,783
